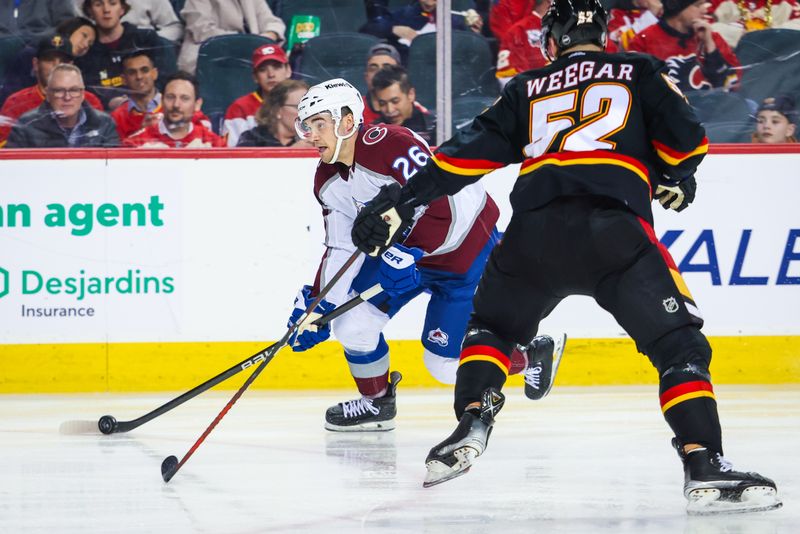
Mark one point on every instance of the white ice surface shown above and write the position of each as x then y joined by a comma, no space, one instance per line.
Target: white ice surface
584,460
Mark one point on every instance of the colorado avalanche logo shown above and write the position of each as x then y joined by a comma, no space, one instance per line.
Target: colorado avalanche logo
438,337
686,71
374,134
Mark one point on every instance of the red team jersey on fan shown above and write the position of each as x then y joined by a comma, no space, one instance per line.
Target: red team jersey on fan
520,47
624,24
129,119
26,100
691,70
240,117
199,137
451,231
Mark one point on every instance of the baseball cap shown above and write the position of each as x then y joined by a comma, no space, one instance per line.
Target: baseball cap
384,49
55,45
783,104
269,52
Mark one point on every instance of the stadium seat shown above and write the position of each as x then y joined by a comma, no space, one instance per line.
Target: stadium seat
726,116
472,73
166,59
770,63
334,15
224,69
466,108
336,55
9,48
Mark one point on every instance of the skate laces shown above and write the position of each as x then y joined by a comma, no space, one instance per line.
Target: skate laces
724,465
532,375
358,407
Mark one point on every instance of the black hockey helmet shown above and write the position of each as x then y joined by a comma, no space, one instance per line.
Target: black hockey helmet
574,22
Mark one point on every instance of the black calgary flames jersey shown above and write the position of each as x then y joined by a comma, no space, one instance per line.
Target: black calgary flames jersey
590,123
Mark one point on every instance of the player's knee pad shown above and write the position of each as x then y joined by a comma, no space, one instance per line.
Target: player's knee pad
441,368
685,345
359,330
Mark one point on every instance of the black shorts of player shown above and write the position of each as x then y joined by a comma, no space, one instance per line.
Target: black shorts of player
590,246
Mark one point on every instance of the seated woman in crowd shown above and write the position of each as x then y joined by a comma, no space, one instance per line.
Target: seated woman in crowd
776,121
276,116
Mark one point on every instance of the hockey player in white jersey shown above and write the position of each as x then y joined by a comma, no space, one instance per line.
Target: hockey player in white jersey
443,253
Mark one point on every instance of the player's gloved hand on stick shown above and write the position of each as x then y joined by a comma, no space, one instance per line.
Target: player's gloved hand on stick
677,197
382,221
398,271
308,334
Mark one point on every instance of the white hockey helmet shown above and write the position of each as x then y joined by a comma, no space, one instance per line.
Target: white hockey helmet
330,97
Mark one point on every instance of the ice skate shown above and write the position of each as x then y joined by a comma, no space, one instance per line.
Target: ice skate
544,356
454,456
713,487
363,414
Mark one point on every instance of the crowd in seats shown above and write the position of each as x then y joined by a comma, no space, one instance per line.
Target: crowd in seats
237,68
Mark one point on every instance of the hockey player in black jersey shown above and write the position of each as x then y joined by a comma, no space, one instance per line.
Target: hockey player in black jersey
598,136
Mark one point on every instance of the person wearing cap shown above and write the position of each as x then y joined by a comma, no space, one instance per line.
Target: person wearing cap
32,20
270,67
776,121
51,52
64,120
697,57
102,65
210,18
379,56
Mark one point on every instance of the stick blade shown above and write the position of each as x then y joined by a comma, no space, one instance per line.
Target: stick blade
168,468
78,427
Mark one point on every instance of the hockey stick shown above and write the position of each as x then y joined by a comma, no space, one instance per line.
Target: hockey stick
108,424
171,465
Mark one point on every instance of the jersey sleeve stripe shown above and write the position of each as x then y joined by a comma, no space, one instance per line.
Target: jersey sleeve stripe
673,157
465,167
587,158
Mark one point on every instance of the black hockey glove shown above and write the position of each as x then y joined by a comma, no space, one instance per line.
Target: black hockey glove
677,197
382,222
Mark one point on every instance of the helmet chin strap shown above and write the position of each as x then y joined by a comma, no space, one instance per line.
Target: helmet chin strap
339,139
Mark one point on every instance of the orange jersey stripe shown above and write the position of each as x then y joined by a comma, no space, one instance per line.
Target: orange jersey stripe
587,158
686,397
682,389
465,167
673,157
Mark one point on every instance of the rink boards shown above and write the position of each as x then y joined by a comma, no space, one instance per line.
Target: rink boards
155,270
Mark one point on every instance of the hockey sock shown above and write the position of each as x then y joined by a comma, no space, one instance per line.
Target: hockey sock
688,404
484,363
370,370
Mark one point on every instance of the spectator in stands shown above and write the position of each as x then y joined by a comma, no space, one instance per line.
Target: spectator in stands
102,65
629,17
52,51
735,18
270,67
142,106
402,26
776,121
210,18
506,13
396,100
177,128
33,20
379,56
81,34
276,116
64,119
156,15
697,57
520,47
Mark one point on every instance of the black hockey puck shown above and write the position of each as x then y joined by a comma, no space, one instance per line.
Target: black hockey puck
168,467
107,424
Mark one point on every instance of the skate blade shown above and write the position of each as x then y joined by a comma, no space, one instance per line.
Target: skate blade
558,351
753,499
439,472
381,426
